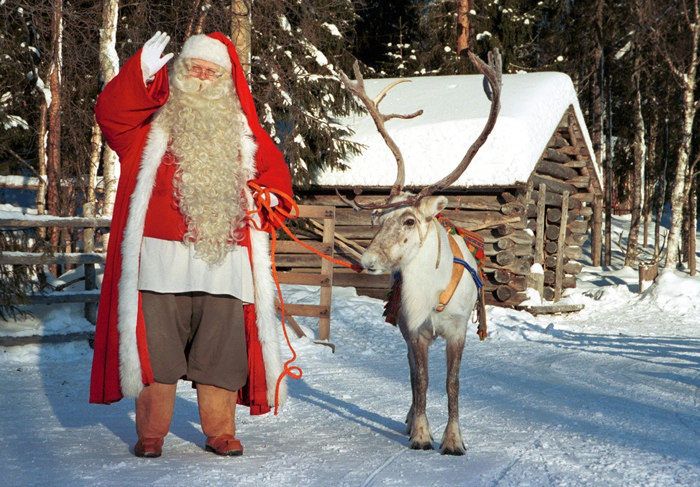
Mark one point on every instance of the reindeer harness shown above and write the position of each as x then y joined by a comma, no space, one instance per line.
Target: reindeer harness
458,266
475,244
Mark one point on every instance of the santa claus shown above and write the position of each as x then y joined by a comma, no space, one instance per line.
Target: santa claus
187,289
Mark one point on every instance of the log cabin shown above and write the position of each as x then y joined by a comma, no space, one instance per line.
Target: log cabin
533,191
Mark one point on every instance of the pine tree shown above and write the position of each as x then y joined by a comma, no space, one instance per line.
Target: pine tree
297,51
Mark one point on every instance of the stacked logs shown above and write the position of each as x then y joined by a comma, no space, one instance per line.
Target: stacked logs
560,210
509,257
508,245
498,216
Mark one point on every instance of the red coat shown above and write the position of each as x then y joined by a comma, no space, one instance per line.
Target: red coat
121,364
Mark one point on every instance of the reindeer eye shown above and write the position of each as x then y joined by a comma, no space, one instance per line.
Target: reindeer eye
409,222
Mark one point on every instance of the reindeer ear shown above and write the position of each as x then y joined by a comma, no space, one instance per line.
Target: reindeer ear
432,205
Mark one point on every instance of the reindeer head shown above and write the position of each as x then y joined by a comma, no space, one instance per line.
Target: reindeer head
402,232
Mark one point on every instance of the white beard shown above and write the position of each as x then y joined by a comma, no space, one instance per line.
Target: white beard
206,126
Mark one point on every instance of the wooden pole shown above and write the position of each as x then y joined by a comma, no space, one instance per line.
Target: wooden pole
537,279
562,245
89,269
324,323
597,232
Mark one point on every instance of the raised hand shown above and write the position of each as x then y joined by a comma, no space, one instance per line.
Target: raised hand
151,60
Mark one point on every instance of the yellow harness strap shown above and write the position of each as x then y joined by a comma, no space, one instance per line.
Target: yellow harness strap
457,271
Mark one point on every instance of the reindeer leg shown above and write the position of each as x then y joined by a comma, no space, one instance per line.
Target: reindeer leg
452,443
412,373
421,437
412,369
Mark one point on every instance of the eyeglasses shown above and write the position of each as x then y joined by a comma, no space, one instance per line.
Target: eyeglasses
197,71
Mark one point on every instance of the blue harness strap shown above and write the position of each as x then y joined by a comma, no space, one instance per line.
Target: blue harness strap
475,275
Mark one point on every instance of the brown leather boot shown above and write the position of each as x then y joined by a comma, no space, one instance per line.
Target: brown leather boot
225,445
149,447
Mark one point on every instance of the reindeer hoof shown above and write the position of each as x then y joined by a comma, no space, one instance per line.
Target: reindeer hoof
417,445
453,451
457,449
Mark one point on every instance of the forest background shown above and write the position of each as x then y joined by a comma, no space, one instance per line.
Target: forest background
633,63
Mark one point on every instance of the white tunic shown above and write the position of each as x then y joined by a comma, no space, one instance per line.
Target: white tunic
169,266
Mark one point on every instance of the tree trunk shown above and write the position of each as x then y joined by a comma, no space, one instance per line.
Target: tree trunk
649,184
597,128
462,26
688,82
43,163
678,194
693,225
661,195
607,171
201,9
196,7
241,32
109,67
54,129
639,160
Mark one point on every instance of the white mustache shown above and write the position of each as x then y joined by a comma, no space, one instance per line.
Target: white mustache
206,88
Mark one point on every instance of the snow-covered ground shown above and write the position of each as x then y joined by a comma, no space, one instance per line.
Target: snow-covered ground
605,397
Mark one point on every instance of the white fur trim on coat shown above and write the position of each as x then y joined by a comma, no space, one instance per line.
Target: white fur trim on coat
267,321
129,363
130,373
266,314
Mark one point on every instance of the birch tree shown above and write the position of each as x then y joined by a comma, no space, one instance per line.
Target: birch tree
54,126
639,152
651,174
675,32
109,67
241,31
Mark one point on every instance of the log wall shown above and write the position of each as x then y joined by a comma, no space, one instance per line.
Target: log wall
563,188
499,216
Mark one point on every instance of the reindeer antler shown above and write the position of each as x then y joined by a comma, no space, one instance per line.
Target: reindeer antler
358,89
492,73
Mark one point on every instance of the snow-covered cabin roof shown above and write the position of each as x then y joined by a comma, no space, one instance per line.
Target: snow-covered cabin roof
455,112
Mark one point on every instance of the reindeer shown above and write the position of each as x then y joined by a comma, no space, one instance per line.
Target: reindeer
411,241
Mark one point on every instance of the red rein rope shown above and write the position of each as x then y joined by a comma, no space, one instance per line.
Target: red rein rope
262,198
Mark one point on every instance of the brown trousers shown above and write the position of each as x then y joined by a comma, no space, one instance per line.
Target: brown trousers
196,336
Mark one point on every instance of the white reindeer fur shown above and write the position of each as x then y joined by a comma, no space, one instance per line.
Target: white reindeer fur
129,362
422,284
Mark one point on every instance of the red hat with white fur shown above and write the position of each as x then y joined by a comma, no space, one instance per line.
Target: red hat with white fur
204,47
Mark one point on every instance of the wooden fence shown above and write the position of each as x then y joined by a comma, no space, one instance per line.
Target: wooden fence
90,296
322,277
